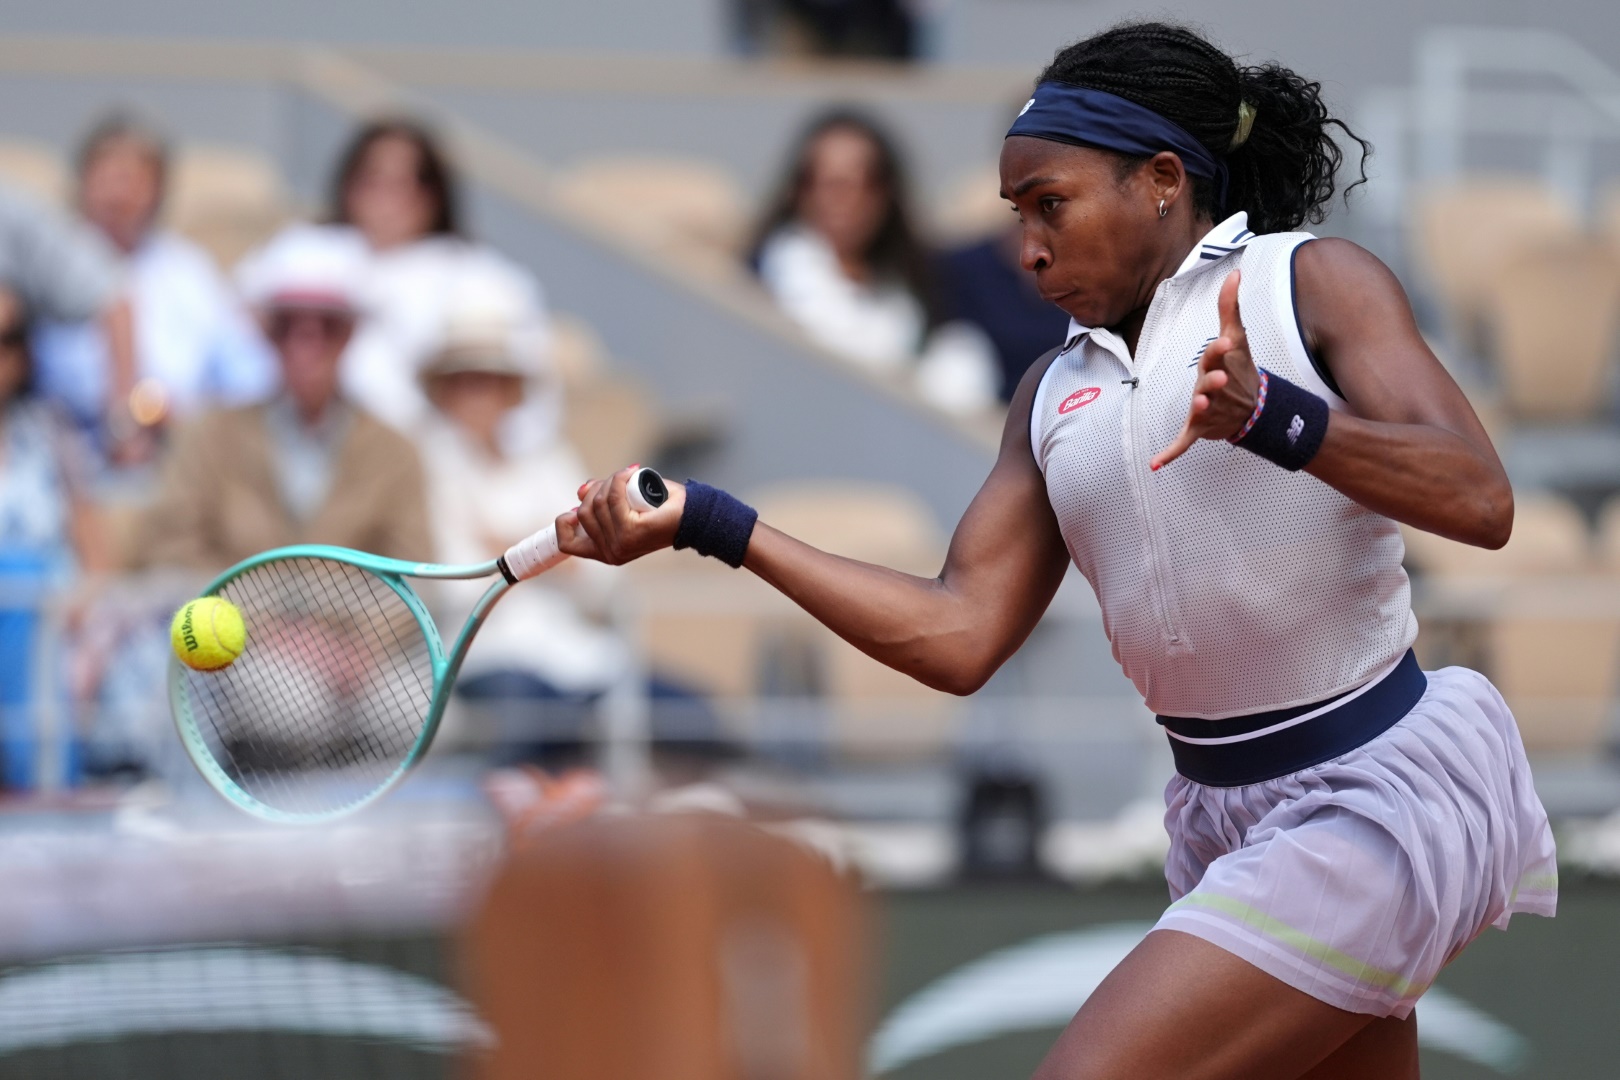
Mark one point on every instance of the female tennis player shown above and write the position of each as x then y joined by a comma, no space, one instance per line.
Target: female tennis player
1224,445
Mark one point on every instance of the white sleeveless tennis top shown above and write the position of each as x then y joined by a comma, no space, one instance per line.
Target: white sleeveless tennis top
1228,585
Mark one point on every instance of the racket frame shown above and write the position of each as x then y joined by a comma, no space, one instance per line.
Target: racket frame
445,666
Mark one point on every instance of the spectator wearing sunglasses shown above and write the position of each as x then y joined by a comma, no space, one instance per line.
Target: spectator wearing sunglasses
307,466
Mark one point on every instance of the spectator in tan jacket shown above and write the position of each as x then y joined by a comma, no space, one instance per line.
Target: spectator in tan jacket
306,466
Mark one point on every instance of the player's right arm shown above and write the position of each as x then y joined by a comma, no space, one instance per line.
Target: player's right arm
950,632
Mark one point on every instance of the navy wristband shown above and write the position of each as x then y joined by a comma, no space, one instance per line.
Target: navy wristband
1288,424
716,524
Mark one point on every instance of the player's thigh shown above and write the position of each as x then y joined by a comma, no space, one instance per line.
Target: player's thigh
1180,1008
1386,1048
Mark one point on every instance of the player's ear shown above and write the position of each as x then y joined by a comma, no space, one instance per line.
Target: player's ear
1167,181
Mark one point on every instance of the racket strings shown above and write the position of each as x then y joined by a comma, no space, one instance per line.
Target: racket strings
330,693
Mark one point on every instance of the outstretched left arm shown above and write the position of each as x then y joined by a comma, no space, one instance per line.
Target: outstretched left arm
1412,449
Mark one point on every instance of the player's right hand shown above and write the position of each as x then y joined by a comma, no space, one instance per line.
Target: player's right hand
605,527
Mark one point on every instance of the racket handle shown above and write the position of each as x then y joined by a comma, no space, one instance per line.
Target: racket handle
532,557
539,553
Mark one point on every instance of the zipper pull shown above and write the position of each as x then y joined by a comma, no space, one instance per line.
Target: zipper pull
1131,382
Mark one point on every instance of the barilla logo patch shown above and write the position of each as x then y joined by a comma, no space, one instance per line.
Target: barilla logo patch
1079,398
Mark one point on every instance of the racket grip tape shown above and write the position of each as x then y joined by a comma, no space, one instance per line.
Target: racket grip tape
540,552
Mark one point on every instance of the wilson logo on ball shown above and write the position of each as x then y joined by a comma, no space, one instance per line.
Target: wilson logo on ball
1079,398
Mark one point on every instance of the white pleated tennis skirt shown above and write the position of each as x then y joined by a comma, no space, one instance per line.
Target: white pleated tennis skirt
1358,879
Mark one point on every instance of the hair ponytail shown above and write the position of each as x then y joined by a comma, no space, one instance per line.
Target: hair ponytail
1282,170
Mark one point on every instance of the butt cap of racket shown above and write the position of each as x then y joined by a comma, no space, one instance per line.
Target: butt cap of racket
647,490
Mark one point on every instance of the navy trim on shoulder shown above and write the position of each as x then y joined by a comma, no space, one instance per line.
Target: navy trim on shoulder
1322,371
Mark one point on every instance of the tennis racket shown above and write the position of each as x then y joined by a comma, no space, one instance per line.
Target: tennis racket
343,680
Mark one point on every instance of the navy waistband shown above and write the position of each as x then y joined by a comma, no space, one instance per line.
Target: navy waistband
1263,746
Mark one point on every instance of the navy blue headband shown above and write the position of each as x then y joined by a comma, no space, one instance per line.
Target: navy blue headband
1104,121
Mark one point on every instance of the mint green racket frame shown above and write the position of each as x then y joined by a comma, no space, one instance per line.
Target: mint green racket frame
393,572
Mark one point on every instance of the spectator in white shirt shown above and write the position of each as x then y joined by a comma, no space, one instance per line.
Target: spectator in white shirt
836,248
195,345
395,186
838,253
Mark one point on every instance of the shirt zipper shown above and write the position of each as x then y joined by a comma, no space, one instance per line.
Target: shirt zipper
1136,468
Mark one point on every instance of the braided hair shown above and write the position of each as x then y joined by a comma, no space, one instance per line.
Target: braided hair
1281,169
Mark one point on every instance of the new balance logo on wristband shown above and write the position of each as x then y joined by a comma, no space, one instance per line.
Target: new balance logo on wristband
1295,428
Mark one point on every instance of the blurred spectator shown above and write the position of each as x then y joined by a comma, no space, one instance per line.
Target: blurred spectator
48,531
395,187
876,28
983,284
837,251
44,517
63,272
485,495
541,661
836,248
194,344
307,466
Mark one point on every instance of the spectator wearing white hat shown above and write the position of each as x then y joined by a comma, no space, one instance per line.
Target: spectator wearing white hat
306,466
539,658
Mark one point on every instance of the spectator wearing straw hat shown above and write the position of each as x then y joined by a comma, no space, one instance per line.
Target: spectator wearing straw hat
540,658
307,466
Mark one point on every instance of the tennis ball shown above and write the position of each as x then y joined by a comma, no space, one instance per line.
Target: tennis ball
208,634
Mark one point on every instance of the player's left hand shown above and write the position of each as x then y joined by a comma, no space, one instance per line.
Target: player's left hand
605,527
1228,383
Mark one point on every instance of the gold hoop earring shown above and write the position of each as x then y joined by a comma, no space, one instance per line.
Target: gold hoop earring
1162,210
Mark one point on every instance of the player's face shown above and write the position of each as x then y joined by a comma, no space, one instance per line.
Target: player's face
1091,237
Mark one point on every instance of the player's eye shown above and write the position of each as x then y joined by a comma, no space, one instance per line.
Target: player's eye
1049,203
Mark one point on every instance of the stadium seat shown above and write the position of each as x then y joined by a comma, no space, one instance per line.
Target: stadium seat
35,168
1608,537
879,713
227,199
1554,653
1609,212
684,947
1549,538
1533,617
1554,318
612,421
689,209
1461,232
577,351
972,207
873,522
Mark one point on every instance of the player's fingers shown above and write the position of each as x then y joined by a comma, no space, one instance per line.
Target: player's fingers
572,537
1231,313
1214,356
597,518
1183,442
618,493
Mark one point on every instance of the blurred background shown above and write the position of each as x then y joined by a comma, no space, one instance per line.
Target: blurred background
399,277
